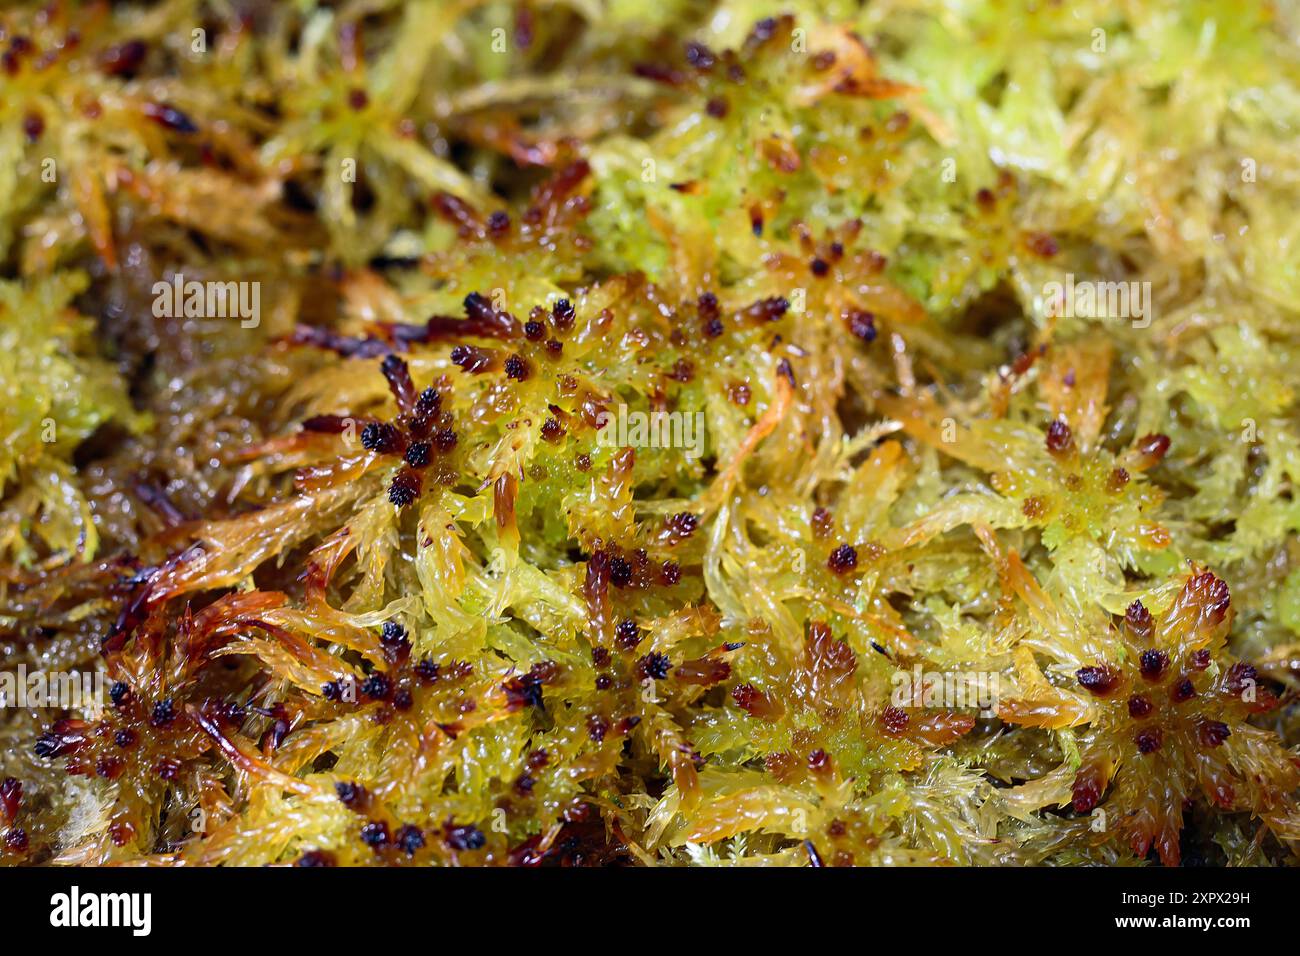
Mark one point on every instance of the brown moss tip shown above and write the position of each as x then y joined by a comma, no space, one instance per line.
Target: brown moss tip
842,559
1152,664
1060,439
1138,621
1098,680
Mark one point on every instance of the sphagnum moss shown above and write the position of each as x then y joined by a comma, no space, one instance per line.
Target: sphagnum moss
369,581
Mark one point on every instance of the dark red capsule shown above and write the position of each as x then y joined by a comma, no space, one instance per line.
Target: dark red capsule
1098,680
1182,691
1153,664
124,59
1059,437
862,325
1138,621
33,126
170,117
1149,740
375,835
843,559
627,634
405,488
315,858
1212,733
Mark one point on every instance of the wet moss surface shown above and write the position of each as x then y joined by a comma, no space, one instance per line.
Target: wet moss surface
649,434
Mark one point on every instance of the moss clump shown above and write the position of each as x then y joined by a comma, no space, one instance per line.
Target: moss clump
667,438
57,389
